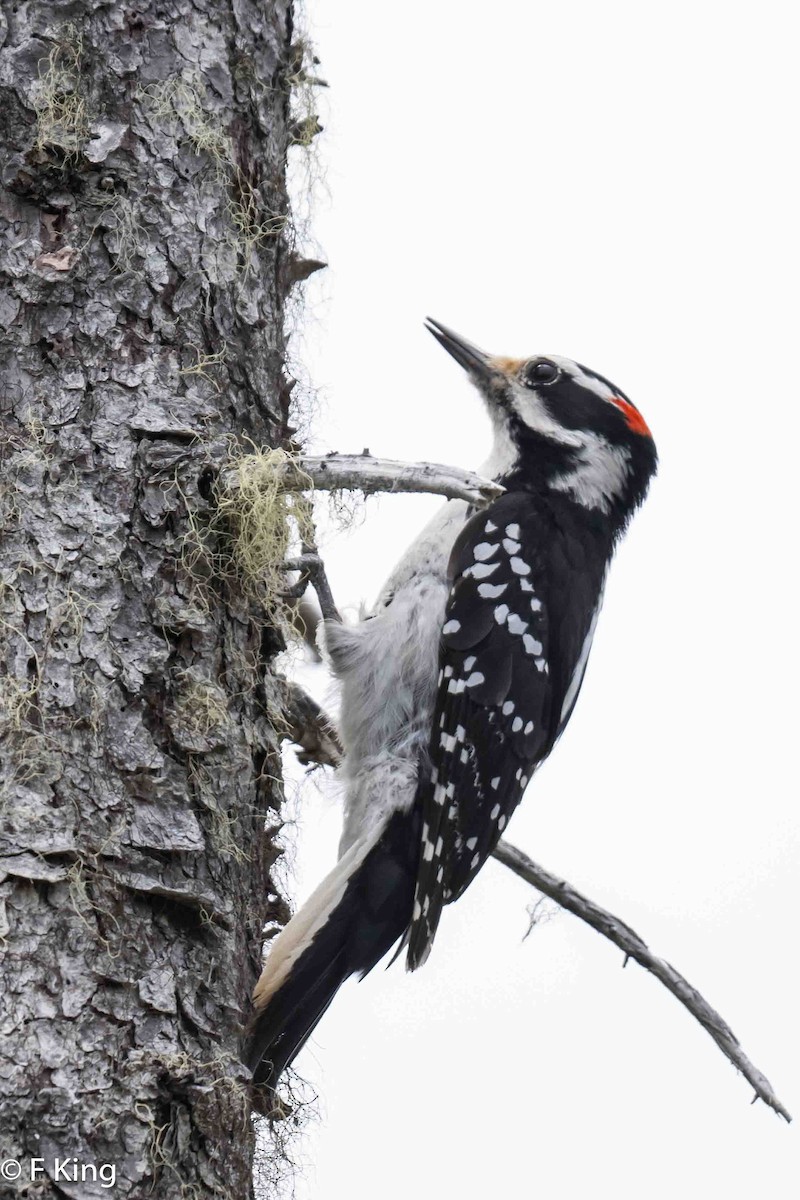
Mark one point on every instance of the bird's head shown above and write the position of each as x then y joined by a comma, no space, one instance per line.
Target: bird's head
560,426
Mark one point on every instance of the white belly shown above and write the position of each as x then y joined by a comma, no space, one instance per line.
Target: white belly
388,667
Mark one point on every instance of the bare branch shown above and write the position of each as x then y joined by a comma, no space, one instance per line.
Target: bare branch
633,947
363,473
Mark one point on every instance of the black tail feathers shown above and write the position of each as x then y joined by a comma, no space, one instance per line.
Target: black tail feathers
372,911
279,1033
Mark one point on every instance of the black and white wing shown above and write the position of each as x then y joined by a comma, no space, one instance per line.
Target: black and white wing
499,705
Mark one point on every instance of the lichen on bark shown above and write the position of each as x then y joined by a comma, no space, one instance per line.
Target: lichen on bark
145,257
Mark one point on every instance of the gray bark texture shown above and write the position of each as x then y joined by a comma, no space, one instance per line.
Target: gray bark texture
145,258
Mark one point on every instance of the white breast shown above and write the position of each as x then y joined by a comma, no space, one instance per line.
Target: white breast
388,667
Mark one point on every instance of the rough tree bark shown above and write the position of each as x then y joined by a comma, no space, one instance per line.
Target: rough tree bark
145,262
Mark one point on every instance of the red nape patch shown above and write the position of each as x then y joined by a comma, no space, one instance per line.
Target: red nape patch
632,415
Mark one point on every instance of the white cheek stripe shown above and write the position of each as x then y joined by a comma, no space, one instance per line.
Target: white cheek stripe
599,475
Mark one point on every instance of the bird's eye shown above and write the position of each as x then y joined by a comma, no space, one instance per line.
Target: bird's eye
540,371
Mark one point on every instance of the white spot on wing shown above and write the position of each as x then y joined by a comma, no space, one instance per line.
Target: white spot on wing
531,645
481,570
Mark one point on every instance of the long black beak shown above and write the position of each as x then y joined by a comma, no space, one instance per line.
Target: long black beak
466,355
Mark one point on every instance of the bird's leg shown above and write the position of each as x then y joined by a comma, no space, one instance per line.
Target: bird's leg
295,591
319,580
312,570
308,725
310,728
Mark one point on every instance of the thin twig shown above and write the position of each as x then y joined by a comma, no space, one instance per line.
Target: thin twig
363,473
633,947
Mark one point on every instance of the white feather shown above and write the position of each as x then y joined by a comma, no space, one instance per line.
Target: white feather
580,667
599,475
304,926
387,666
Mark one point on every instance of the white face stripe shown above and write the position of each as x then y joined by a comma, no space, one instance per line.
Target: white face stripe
531,410
579,375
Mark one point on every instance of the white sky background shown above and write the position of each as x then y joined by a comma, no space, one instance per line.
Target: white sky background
613,182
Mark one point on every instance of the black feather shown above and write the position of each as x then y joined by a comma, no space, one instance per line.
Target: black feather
373,913
525,586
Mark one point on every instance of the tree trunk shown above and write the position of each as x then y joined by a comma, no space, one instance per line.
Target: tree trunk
144,266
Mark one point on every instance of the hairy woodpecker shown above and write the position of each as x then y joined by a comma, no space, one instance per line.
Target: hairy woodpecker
458,684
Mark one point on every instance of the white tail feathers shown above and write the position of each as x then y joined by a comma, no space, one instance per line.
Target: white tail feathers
304,926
